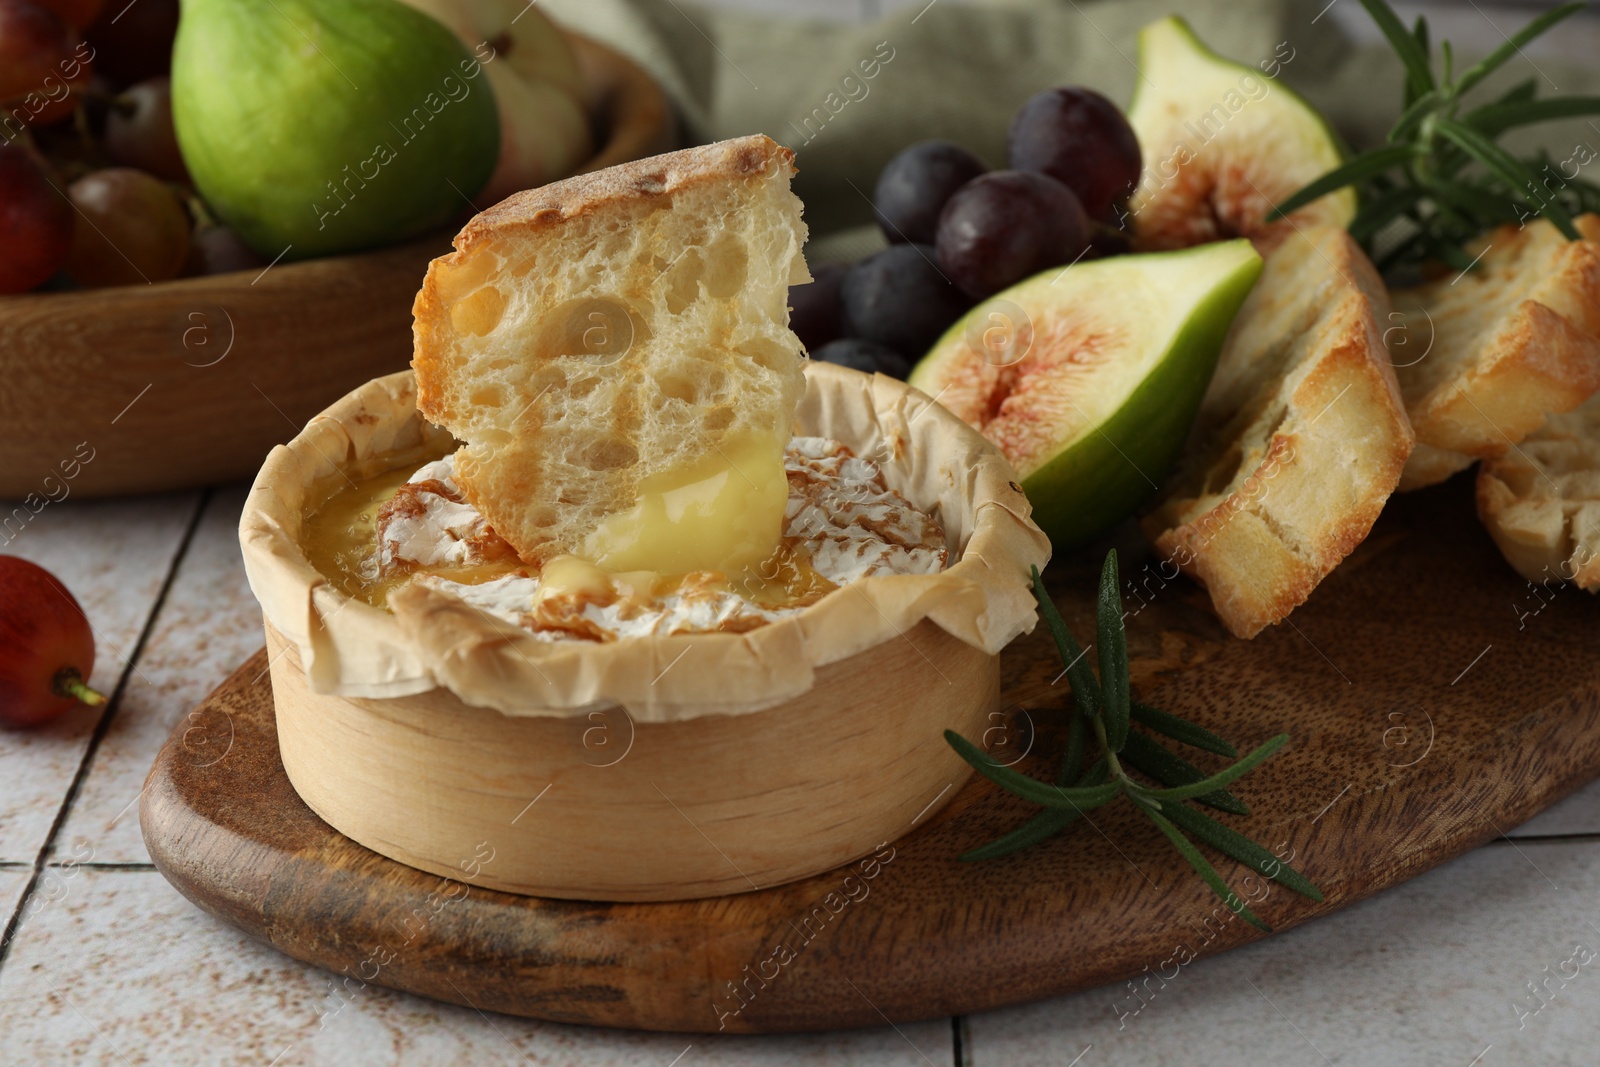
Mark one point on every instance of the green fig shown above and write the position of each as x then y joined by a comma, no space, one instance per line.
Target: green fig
1223,143
1089,378
313,127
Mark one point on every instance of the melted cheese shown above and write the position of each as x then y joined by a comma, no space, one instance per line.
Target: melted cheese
724,513
841,523
572,576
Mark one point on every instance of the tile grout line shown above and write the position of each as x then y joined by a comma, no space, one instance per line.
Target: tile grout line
1580,835
113,705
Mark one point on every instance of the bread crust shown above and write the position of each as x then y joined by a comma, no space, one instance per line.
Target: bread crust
534,211
1541,500
1513,341
1300,442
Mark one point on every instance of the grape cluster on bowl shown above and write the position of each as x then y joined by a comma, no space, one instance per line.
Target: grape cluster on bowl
959,232
93,189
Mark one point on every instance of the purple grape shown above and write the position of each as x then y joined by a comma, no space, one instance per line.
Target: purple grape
814,312
914,186
863,355
1079,138
1006,226
901,300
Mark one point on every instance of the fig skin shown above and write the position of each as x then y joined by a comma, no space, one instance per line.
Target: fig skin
388,133
46,646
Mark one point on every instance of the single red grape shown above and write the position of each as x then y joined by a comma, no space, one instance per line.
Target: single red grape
46,646
814,311
139,130
914,186
131,229
35,222
133,42
857,353
218,250
900,299
1006,226
44,66
1079,138
80,13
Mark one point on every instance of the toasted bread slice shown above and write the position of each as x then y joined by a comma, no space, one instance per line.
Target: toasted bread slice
616,330
1514,340
1300,440
1541,500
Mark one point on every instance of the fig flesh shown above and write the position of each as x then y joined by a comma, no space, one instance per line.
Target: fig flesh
1222,144
1089,378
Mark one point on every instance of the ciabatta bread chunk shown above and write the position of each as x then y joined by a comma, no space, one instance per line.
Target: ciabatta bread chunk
1300,439
1541,500
1507,343
605,342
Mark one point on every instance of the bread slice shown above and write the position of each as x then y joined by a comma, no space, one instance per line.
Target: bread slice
1541,500
612,330
1512,341
1300,439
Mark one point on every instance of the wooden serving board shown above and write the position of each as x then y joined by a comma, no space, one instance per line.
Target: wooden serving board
1434,701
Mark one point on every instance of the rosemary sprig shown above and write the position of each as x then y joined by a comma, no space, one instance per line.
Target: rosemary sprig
1105,711
1440,180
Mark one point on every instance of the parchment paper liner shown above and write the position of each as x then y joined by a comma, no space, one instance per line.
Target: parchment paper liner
350,648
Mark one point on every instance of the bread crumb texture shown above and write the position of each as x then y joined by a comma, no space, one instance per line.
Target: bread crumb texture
611,328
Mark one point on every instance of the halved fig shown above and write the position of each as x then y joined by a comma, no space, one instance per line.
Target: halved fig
1223,143
1088,378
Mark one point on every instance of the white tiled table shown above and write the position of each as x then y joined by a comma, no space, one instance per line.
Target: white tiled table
104,963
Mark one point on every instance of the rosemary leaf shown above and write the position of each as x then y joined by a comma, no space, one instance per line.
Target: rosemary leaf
1510,169
1382,210
1169,768
1085,690
1072,759
1469,199
1520,92
1419,77
1412,117
1113,652
1042,826
1475,74
1237,846
1223,777
1203,867
1182,730
1014,782
1362,167
1493,119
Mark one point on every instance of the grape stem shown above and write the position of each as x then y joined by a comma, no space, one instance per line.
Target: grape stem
69,683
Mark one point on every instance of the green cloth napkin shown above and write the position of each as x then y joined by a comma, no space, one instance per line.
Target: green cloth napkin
848,97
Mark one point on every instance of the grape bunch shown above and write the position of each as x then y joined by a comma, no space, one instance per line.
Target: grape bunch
959,232
93,189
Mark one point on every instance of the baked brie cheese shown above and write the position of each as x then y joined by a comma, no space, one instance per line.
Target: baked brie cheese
614,352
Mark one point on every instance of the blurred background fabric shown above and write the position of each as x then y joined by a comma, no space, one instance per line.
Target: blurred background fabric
959,71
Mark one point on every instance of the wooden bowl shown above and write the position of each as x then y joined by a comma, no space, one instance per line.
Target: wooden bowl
765,757
190,382
597,806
